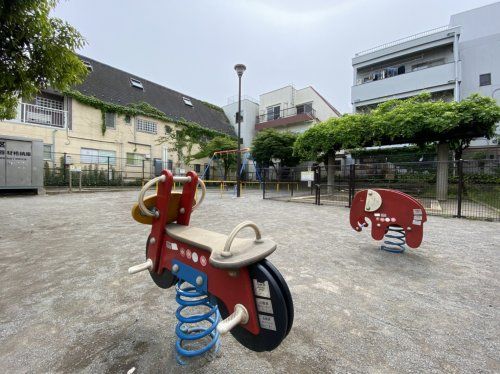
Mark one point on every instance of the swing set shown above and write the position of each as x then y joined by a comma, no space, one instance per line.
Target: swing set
218,155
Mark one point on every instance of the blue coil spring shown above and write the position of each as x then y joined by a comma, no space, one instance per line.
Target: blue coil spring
193,328
395,240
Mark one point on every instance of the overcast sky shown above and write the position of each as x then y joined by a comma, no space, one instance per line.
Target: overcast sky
191,46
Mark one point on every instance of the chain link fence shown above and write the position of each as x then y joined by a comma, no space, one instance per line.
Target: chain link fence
468,189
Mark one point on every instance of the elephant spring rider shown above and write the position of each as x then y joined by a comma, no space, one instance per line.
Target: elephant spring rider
393,214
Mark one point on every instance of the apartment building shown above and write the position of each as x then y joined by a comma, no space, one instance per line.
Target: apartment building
284,109
249,113
451,62
75,127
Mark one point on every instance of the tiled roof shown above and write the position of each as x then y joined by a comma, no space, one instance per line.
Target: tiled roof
113,85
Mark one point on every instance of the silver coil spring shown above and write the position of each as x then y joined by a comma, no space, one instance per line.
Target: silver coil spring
197,329
395,240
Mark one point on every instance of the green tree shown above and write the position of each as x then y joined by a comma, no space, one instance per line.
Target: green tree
319,142
219,143
416,120
477,115
36,51
271,144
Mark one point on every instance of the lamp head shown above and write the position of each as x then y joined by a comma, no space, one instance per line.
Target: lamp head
240,69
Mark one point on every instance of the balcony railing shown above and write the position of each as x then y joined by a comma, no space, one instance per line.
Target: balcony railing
286,113
393,71
403,40
39,115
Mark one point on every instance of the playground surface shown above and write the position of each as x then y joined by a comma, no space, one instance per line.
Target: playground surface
67,303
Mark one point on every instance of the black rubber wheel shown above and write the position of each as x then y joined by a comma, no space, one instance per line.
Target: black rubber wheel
273,326
164,280
284,289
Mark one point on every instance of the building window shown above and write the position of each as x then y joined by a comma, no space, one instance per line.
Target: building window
485,79
187,101
89,156
88,65
273,112
104,156
197,168
143,125
135,159
47,152
304,108
97,156
109,120
49,103
136,83
128,119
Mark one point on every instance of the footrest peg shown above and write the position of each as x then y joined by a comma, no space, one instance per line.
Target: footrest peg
148,265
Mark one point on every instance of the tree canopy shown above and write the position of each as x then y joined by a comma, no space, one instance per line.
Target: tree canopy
271,144
416,120
36,51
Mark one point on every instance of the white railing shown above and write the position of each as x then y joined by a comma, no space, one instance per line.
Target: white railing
403,40
234,99
39,115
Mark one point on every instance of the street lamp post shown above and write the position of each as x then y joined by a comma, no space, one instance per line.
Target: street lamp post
240,69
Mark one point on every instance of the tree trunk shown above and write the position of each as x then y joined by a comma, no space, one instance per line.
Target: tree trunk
276,171
330,173
442,171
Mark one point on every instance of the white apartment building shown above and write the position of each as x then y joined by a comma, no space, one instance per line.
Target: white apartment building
249,113
451,62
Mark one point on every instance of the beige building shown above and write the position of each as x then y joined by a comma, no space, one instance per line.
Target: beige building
126,143
284,109
289,109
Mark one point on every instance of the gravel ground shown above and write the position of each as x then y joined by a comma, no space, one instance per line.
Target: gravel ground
68,305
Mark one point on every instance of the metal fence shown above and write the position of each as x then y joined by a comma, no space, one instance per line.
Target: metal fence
96,170
102,169
468,189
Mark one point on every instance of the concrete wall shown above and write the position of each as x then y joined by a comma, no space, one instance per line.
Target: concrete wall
308,94
250,111
298,127
480,53
284,97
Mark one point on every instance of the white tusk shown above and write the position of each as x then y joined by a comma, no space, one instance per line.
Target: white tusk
148,265
240,315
